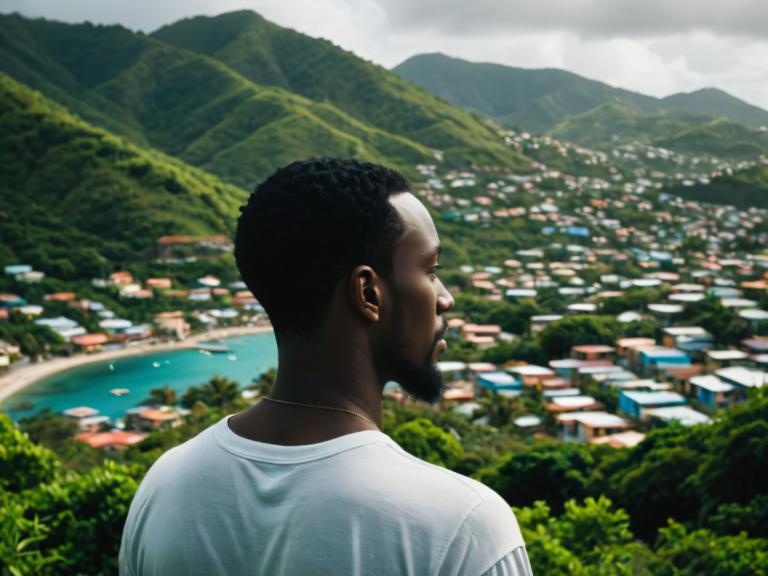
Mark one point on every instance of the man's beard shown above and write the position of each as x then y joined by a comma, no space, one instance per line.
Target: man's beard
422,381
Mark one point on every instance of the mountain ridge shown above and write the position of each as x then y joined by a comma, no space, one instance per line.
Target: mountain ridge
269,54
548,101
200,109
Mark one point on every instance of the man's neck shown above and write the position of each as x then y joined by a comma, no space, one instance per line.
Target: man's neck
336,385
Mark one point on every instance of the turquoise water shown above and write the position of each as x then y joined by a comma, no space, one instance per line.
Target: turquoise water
89,385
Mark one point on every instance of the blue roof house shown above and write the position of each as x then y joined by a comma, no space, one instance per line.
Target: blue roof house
660,357
634,403
711,391
498,381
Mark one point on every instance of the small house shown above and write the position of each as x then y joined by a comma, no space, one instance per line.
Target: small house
498,381
586,426
711,391
685,415
636,403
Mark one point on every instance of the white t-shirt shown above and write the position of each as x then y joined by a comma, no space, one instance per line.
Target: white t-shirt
357,505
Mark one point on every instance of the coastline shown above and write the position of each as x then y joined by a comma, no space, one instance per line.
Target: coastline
16,379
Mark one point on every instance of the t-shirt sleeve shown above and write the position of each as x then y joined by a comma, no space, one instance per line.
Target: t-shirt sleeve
484,540
515,563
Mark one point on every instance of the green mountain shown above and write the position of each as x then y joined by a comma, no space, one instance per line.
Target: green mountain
205,112
538,100
720,138
104,200
611,123
714,102
316,69
532,100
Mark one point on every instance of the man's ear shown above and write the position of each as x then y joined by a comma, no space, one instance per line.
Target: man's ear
366,293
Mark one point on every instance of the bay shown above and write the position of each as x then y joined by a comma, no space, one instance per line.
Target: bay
90,385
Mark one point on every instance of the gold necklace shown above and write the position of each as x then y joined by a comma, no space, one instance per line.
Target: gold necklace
290,403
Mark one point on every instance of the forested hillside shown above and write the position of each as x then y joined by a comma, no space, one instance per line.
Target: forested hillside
78,201
316,69
537,100
205,112
744,189
612,124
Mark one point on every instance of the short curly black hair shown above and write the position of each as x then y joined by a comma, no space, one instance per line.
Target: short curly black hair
306,226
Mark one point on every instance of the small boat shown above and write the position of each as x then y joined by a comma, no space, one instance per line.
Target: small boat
119,391
155,364
205,352
215,348
232,357
111,367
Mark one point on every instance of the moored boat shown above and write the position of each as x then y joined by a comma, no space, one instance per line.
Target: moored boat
214,348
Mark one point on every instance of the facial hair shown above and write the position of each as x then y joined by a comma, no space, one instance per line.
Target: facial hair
422,381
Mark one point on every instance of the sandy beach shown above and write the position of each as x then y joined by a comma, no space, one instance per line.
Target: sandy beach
18,378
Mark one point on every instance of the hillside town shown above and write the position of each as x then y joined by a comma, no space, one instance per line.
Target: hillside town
614,247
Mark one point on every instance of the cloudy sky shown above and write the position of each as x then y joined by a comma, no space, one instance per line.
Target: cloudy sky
657,47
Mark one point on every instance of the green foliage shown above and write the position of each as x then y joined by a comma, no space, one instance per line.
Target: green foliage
702,552
20,538
744,189
499,410
269,55
738,474
612,123
70,523
723,323
583,528
55,432
61,174
165,396
693,474
635,299
257,98
32,339
559,337
522,350
657,488
734,518
547,555
429,442
591,538
552,472
512,318
23,464
85,516
265,381
219,391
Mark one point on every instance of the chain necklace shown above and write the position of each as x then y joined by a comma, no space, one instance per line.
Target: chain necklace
333,408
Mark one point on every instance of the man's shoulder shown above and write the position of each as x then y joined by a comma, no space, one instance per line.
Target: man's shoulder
474,524
386,472
451,484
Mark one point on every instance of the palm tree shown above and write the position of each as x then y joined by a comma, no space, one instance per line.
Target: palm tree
219,391
165,396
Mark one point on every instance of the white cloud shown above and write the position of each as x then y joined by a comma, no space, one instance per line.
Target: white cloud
603,18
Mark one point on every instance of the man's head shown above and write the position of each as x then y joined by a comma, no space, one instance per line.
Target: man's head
329,230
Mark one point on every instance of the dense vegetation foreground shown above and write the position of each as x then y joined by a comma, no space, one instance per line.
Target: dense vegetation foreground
687,500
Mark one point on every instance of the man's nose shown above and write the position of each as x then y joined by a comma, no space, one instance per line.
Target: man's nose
444,300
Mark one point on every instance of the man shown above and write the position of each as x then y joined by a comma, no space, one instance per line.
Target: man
343,258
